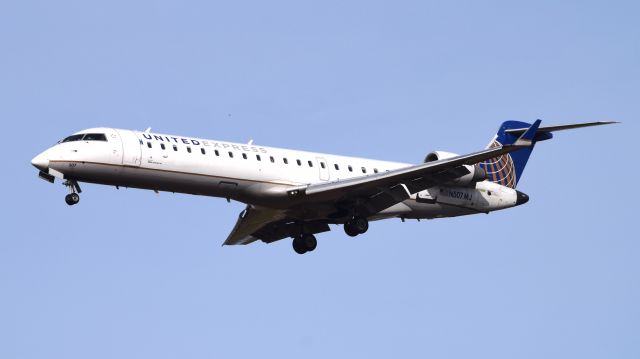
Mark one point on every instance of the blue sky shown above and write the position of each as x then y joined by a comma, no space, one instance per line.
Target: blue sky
130,273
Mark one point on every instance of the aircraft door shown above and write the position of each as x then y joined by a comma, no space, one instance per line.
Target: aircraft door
115,147
323,167
131,151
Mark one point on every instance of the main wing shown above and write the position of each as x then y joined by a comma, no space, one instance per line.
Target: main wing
376,192
269,225
371,193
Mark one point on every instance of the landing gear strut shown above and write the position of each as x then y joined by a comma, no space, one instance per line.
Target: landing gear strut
304,243
73,197
355,226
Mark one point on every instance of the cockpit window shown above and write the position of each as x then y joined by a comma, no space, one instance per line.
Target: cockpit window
94,137
73,138
86,137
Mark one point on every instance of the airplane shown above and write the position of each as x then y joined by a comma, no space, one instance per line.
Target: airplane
298,194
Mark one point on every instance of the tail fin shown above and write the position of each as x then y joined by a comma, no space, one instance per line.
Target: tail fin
507,169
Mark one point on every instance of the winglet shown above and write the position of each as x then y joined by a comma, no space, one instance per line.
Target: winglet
527,137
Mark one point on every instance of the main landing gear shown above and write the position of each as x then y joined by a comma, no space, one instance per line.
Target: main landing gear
355,226
74,189
304,243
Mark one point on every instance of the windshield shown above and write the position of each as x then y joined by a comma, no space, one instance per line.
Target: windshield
72,138
95,137
86,137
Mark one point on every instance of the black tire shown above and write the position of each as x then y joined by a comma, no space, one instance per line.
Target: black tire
310,242
360,224
350,230
72,198
299,245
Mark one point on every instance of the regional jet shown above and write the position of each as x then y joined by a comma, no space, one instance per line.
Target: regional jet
297,194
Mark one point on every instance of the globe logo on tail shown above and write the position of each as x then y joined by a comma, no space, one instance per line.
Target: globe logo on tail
500,170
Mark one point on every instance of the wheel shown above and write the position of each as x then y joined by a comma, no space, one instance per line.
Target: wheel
350,230
361,224
310,242
72,198
355,226
299,245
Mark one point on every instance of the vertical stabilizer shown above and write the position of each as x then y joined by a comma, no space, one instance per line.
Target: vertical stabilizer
507,169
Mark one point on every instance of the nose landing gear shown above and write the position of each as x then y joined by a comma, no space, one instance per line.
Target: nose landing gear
74,189
72,198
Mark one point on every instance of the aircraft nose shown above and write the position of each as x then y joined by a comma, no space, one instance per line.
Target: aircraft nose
522,198
41,161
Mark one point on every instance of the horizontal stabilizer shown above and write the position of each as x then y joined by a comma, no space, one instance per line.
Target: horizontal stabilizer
547,129
526,139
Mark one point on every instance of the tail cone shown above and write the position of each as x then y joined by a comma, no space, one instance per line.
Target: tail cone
522,198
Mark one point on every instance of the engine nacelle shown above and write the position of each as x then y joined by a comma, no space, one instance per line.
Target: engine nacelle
475,173
439,155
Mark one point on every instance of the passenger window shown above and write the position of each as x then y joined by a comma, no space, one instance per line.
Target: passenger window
258,158
336,166
188,149
216,152
149,144
202,150
230,154
272,159
350,168
375,170
299,162
175,148
244,155
162,146
310,163
364,170
286,161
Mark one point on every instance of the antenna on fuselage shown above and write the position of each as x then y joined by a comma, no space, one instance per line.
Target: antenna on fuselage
250,142
147,130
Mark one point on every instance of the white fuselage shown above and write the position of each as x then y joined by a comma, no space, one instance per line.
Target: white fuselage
248,173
